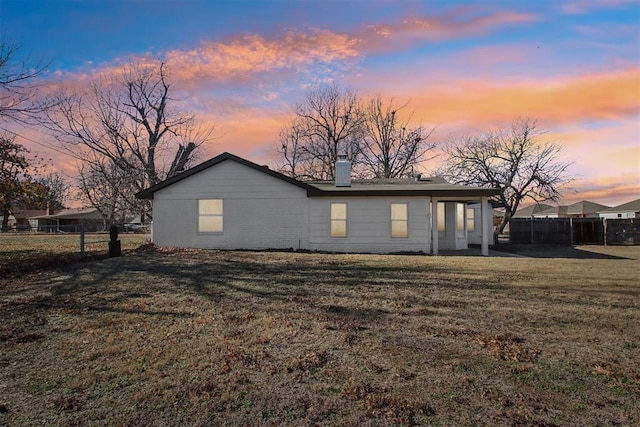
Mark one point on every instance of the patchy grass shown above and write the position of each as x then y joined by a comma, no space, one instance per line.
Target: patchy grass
24,252
259,338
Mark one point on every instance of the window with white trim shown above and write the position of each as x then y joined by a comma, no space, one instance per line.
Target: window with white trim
399,220
471,219
338,220
441,217
210,216
460,218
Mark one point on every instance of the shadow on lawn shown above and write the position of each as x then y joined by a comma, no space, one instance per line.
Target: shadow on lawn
113,285
556,251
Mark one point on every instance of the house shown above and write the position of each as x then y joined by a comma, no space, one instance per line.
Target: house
626,210
582,209
19,218
529,211
69,220
231,203
474,225
552,212
585,209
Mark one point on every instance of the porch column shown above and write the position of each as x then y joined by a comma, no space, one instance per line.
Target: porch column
487,216
434,226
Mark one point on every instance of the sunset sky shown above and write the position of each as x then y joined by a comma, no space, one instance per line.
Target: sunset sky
465,67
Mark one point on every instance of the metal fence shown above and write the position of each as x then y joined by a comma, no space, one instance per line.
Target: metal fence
71,238
575,231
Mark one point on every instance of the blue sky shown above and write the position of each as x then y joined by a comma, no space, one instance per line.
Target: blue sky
465,67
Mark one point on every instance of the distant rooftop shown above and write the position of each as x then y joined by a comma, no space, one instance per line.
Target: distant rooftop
632,206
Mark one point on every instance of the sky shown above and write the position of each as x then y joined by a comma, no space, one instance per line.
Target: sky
463,67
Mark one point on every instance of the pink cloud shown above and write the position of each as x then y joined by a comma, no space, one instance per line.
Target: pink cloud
245,58
585,6
241,59
607,190
461,22
597,96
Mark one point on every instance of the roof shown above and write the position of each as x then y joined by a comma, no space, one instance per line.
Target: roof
28,213
400,187
75,213
559,211
435,187
585,207
528,211
148,192
632,206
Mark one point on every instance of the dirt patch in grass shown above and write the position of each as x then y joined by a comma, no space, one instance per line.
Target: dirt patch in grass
260,338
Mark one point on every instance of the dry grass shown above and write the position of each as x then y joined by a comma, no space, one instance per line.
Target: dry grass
23,252
259,338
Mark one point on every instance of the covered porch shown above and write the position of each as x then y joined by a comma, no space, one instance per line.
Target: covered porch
452,221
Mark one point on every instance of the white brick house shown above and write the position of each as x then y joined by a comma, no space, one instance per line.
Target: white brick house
231,203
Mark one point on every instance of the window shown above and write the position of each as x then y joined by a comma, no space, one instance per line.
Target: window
471,219
210,216
399,220
338,220
460,218
441,218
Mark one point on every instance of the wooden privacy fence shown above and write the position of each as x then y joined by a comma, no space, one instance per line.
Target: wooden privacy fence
622,231
575,231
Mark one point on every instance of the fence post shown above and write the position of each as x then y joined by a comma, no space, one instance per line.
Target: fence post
81,240
114,244
571,229
532,229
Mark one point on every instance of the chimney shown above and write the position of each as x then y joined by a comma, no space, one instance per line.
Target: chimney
343,171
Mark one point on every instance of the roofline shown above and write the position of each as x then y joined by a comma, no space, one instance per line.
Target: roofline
310,189
149,192
622,208
467,192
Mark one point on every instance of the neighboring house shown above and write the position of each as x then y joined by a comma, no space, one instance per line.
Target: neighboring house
69,220
19,218
626,210
531,210
585,209
231,203
552,212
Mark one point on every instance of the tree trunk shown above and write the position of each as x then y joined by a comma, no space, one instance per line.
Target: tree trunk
5,218
500,228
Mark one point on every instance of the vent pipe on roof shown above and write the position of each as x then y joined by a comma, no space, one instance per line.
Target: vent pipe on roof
343,171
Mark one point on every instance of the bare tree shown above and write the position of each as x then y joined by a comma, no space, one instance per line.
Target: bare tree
130,122
18,101
107,188
392,148
516,161
293,159
328,122
49,191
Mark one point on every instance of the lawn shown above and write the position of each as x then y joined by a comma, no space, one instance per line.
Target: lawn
21,252
188,337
